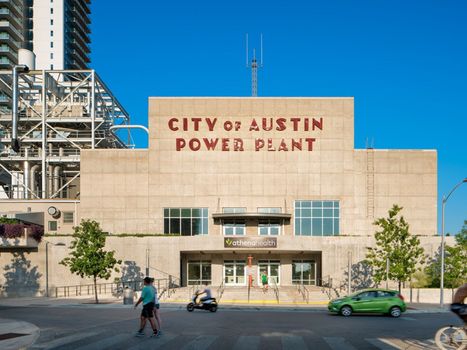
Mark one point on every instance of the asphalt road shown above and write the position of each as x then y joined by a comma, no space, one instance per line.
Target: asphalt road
105,327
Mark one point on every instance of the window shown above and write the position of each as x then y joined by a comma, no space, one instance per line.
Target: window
51,33
232,210
51,11
234,228
52,225
51,55
68,217
51,22
51,66
304,272
186,221
51,44
317,218
269,210
199,272
269,227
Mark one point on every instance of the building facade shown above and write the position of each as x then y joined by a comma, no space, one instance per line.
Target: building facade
56,31
274,182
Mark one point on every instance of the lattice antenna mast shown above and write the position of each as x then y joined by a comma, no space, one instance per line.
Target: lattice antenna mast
254,66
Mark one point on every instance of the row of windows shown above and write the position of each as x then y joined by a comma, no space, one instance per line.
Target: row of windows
68,218
312,218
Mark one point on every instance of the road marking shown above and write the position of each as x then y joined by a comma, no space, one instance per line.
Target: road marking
408,318
293,342
247,343
338,343
201,342
382,344
64,340
152,343
108,342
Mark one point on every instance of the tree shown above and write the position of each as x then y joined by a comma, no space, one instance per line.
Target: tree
394,242
455,268
88,257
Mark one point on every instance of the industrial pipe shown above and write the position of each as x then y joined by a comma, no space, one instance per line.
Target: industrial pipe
14,137
33,177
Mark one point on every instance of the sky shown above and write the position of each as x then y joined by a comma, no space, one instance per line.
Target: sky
404,62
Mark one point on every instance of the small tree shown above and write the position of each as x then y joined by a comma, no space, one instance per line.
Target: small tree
88,257
394,242
455,267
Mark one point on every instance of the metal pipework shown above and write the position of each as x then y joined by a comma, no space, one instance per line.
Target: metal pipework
32,181
129,127
21,68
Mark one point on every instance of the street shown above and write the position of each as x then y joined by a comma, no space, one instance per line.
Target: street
113,327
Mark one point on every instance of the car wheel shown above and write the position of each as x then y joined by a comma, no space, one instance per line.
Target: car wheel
395,311
190,307
346,311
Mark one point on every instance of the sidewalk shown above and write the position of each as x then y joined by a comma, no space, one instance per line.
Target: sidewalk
16,335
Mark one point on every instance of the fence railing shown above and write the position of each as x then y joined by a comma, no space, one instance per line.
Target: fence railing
303,290
275,288
220,291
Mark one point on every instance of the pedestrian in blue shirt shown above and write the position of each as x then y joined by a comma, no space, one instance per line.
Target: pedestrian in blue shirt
147,298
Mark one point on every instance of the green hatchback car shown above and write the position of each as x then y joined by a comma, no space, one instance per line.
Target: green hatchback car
382,301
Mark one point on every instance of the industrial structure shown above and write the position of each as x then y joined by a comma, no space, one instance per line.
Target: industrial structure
60,113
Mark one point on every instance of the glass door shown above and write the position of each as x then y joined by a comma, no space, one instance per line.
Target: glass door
234,272
199,272
304,271
271,268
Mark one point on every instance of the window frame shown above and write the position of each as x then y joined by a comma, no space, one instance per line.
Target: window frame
317,215
203,217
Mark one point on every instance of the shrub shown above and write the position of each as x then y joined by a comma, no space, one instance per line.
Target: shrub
36,232
4,220
13,230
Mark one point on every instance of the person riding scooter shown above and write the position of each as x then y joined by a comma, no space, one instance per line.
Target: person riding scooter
207,292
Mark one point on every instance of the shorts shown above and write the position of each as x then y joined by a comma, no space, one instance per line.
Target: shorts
148,310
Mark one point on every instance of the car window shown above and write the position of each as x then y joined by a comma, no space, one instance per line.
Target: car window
383,294
369,294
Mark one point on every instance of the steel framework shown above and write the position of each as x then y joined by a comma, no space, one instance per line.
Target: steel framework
59,114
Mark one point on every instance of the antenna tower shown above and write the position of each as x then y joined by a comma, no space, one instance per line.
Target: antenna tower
254,66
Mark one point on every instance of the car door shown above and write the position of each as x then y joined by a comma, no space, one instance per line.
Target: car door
364,302
383,301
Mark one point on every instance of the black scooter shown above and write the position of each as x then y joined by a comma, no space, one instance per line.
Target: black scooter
209,304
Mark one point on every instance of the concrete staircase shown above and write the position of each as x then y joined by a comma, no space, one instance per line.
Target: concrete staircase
239,295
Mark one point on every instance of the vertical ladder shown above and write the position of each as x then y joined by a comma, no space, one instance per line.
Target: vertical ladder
370,183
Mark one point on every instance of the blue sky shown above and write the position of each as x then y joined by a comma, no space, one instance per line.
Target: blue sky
405,62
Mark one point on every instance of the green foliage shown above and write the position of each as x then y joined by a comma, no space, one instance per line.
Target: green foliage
420,279
4,220
88,257
394,242
455,266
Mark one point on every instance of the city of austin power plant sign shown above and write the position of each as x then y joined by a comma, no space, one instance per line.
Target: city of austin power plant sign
238,144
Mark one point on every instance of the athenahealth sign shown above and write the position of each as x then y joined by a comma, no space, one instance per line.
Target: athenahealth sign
250,242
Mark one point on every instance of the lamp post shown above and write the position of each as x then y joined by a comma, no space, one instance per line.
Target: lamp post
445,199
59,244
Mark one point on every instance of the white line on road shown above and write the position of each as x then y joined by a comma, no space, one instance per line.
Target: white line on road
105,343
64,340
382,344
293,342
201,342
152,343
338,343
245,342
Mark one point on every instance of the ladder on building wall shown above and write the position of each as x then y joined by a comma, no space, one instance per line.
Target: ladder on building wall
370,183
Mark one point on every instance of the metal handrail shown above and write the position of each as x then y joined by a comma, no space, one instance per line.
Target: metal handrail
220,291
275,288
304,292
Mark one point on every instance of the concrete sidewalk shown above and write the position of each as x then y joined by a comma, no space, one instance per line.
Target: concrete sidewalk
16,335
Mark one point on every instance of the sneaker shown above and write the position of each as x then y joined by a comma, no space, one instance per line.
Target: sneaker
156,334
139,334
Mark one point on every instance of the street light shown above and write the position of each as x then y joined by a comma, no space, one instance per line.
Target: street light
59,244
445,199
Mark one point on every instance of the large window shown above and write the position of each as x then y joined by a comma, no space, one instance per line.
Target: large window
304,272
317,218
231,210
269,227
234,227
186,221
199,272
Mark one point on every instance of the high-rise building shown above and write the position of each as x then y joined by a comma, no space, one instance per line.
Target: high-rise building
57,31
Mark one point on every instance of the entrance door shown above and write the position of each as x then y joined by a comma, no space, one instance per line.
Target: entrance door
304,272
234,272
199,272
271,268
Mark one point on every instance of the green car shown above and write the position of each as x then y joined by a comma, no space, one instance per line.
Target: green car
369,301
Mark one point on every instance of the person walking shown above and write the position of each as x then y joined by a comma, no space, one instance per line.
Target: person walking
147,298
157,315
264,281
